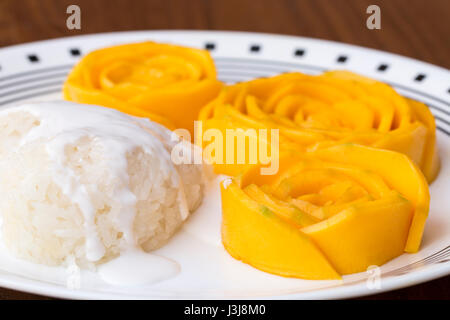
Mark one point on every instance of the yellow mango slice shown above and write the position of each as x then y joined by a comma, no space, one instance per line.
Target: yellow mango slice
253,234
399,172
355,205
166,83
314,112
355,157
283,210
369,233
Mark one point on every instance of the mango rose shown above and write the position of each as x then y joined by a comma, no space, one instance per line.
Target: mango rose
315,112
167,83
330,212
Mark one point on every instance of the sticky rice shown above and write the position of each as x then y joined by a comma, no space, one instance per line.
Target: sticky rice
87,182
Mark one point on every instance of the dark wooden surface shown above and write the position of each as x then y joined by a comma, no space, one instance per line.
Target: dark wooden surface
414,28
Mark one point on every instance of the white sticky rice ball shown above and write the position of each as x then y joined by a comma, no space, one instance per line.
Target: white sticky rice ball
87,182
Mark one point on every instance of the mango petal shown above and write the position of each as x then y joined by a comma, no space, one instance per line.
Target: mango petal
399,172
166,83
370,233
253,234
349,205
314,112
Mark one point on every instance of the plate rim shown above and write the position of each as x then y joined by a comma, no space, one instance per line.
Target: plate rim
337,292
226,32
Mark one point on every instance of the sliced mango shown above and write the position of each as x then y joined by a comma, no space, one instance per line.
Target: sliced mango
344,202
398,171
368,233
251,232
166,83
314,112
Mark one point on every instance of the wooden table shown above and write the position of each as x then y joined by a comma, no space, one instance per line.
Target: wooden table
414,28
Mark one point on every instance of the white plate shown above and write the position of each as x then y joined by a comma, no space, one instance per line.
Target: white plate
36,71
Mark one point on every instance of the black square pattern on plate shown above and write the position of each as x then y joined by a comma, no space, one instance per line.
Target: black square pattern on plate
299,52
210,46
75,52
420,77
383,67
255,48
342,59
33,58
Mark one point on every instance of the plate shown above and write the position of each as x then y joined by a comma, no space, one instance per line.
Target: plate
36,71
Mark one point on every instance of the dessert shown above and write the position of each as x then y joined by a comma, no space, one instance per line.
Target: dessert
166,83
88,183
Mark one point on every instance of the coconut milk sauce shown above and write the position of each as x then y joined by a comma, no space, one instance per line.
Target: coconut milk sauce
63,123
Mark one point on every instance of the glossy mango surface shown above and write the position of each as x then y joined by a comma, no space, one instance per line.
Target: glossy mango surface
166,83
326,213
316,112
